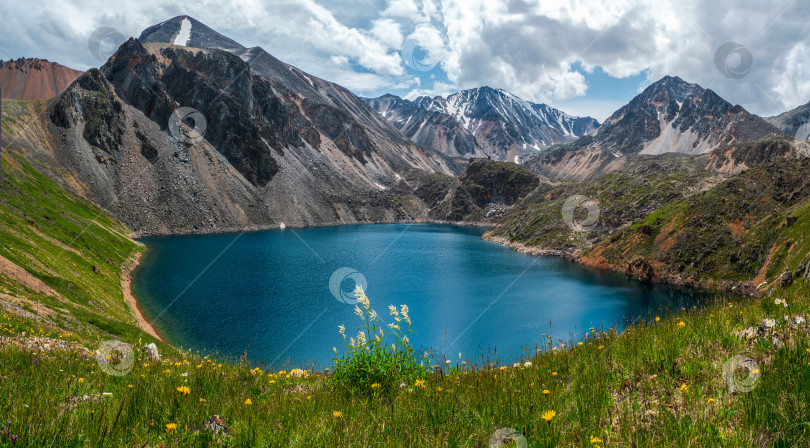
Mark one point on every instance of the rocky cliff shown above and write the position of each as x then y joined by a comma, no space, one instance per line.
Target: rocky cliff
174,138
34,79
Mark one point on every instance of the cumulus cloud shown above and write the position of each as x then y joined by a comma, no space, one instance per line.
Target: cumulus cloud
542,50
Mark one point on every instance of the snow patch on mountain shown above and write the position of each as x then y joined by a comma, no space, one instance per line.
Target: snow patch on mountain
184,35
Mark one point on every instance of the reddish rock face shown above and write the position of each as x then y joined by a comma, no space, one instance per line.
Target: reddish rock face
34,79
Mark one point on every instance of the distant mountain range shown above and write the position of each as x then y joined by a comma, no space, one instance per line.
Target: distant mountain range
482,121
34,79
277,145
669,116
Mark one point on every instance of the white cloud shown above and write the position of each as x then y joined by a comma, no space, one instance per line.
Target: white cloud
388,32
529,47
439,89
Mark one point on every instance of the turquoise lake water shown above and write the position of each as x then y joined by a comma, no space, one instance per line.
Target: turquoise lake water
268,293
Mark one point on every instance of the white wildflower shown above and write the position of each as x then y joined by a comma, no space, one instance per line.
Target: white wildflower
358,311
393,310
342,330
770,323
394,326
527,364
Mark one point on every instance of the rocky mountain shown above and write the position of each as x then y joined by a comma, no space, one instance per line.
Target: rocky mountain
794,122
669,116
428,128
176,138
504,125
34,79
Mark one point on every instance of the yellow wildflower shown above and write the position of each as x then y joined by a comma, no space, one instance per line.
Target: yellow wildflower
681,324
375,386
337,414
81,380
248,402
684,387
548,415
546,392
553,373
420,383
657,319
171,426
711,400
184,390
595,440
580,343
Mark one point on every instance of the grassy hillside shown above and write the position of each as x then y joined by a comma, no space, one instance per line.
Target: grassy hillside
738,231
62,258
660,383
622,197
685,226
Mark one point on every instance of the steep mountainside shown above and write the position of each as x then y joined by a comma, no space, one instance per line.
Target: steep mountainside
428,128
794,122
504,125
267,154
665,218
670,115
34,79
486,191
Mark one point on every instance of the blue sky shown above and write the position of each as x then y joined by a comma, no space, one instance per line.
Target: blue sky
585,57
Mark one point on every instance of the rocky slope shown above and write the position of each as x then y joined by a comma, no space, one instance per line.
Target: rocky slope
794,122
486,191
34,79
271,149
670,115
504,126
428,128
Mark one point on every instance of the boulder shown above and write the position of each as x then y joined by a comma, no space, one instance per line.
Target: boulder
786,279
152,352
641,269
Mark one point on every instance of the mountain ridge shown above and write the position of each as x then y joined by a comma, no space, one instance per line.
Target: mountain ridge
34,78
503,125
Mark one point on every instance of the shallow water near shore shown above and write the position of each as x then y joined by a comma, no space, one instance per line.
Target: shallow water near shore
267,294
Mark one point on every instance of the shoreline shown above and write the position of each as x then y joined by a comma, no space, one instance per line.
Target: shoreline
131,300
261,228
743,289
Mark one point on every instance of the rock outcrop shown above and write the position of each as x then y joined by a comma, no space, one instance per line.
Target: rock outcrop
34,79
